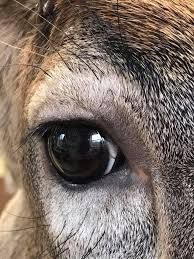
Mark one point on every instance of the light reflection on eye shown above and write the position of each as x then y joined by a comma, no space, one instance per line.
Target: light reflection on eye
81,154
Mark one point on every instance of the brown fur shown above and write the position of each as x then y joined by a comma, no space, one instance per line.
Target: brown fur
129,65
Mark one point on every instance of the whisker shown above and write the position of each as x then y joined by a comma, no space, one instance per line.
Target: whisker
68,238
22,229
69,51
27,65
48,22
65,35
22,217
61,252
63,243
18,48
86,249
34,45
63,227
43,252
49,43
92,249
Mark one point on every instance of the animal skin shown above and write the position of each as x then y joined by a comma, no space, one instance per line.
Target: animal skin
128,65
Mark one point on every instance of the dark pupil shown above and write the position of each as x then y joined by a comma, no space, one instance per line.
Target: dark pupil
78,153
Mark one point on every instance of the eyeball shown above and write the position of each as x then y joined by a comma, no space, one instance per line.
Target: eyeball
81,154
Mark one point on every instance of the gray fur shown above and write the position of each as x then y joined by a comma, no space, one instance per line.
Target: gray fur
130,68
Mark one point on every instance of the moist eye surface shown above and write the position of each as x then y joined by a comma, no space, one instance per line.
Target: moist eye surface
81,153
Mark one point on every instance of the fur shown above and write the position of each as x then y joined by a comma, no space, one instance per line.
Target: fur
128,65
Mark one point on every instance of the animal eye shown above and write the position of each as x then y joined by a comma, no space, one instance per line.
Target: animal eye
81,154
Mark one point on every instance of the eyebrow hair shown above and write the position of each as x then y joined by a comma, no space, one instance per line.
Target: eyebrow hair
147,60
148,63
126,60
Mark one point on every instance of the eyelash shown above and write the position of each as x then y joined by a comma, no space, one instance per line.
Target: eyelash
41,130
77,165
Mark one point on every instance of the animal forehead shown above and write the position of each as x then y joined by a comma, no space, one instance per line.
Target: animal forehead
139,20
145,39
130,11
116,25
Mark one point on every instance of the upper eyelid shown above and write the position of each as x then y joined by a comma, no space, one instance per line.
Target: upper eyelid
130,145
42,128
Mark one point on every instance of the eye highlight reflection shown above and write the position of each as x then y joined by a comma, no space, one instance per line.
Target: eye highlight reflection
82,154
